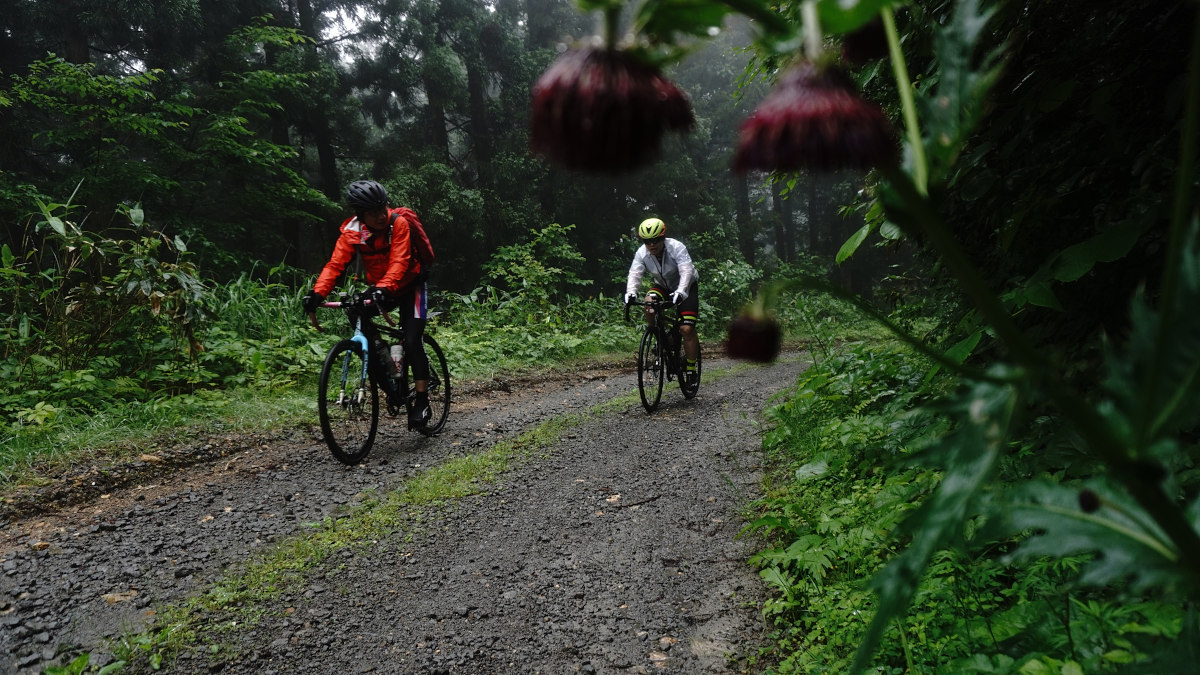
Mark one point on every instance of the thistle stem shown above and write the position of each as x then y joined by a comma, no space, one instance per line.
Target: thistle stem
812,30
612,26
907,105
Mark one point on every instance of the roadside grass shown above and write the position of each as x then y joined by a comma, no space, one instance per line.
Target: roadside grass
30,455
237,602
27,458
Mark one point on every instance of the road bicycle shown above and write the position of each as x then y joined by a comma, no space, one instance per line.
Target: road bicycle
353,374
660,355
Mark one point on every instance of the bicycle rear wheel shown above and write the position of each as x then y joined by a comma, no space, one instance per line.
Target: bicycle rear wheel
439,387
347,403
689,389
651,369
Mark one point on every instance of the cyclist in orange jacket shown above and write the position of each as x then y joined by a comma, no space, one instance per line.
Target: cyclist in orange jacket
395,255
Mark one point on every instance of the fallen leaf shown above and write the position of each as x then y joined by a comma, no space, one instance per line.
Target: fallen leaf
40,545
613,499
114,598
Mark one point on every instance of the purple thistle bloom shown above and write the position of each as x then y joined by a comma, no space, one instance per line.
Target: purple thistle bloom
603,110
815,119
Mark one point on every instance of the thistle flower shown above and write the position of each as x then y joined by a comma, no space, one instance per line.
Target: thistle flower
755,338
815,119
600,109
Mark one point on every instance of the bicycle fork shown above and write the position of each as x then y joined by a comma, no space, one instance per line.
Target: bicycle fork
359,395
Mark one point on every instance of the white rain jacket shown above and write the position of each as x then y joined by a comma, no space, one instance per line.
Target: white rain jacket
675,271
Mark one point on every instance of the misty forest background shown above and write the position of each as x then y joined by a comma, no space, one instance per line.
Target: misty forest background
172,177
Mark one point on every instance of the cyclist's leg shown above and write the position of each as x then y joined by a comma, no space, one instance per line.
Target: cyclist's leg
414,312
689,312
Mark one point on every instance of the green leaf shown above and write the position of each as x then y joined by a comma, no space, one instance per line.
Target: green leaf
853,243
1040,294
812,470
137,216
6,256
57,223
963,348
664,18
1077,260
112,668
890,231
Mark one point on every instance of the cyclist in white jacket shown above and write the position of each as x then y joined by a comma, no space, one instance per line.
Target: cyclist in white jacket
672,275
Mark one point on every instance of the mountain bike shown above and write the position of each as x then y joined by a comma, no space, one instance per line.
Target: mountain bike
353,374
660,355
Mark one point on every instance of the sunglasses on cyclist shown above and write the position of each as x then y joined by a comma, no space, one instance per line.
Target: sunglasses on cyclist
656,240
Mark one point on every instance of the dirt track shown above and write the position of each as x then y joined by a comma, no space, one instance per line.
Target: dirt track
615,549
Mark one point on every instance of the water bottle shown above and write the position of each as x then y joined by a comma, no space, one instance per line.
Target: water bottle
398,359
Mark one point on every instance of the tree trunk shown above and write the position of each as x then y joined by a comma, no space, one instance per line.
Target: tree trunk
745,224
480,130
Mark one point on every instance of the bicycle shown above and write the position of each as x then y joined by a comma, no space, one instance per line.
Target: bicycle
348,391
660,357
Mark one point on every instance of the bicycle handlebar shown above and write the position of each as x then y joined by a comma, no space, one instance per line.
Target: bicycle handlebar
344,304
652,304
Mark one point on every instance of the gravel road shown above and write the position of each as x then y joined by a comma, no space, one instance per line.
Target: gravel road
614,549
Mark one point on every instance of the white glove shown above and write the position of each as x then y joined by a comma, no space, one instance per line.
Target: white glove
630,298
678,297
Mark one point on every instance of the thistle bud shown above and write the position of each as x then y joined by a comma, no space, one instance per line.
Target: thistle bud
815,119
1089,502
754,339
603,110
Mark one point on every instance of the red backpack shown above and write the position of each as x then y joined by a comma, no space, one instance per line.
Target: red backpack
421,247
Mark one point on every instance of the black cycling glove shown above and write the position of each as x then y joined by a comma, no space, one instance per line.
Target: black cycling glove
377,296
311,301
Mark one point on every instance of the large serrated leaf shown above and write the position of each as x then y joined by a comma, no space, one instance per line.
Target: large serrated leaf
1155,381
1127,543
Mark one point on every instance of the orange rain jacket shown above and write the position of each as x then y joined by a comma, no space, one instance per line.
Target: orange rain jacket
389,258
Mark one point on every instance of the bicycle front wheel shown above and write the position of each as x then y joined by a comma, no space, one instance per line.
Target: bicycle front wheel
439,387
651,369
347,403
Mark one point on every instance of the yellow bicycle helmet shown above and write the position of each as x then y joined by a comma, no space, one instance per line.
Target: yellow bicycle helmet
652,228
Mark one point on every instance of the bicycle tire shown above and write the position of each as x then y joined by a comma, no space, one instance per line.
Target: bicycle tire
651,369
689,390
439,387
347,404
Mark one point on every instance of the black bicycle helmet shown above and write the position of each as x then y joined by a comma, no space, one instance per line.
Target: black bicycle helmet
366,195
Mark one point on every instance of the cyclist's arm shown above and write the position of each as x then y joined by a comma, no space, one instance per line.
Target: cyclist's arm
636,270
343,253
